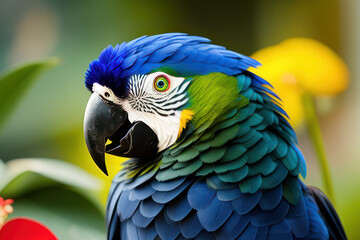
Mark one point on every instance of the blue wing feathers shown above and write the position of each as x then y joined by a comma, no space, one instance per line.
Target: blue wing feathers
233,227
197,210
166,229
200,189
281,227
148,233
271,198
180,237
266,218
299,226
215,214
204,235
246,203
126,207
164,197
229,194
249,233
262,233
140,221
150,208
179,209
141,192
114,194
190,227
167,186
114,227
132,231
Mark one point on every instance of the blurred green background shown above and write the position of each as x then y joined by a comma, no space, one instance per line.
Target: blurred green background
48,121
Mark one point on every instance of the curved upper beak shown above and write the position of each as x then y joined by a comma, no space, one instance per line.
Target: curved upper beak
105,121
101,121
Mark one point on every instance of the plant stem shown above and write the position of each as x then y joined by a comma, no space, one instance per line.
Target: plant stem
313,126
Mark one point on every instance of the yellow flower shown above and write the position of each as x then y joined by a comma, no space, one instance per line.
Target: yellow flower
300,65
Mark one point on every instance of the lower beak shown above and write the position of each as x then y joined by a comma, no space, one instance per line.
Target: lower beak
105,121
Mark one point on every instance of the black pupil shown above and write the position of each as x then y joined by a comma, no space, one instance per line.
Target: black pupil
160,83
107,94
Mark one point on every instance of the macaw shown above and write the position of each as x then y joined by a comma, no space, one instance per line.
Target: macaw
213,155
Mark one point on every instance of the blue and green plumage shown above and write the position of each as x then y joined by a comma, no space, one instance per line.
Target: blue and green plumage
232,173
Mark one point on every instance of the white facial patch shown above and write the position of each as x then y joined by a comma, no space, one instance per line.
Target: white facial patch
155,108
106,93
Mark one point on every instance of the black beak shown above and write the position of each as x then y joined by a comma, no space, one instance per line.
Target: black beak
105,121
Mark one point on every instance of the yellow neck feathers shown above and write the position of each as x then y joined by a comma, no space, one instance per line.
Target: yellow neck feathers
186,116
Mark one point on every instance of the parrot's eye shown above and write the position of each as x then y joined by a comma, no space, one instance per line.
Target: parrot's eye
161,83
107,94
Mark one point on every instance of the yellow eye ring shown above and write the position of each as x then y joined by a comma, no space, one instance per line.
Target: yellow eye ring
161,83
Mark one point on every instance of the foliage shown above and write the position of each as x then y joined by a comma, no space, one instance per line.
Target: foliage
56,193
61,195
15,82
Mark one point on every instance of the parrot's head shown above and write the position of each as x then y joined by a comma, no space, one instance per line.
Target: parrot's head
154,91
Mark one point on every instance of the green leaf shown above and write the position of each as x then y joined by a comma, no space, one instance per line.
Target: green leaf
15,82
26,175
2,170
59,194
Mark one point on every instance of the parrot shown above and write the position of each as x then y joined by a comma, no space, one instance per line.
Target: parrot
210,151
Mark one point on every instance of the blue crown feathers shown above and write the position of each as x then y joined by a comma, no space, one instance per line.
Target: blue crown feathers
187,55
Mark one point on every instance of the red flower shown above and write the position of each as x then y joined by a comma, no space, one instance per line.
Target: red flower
25,229
5,202
5,207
